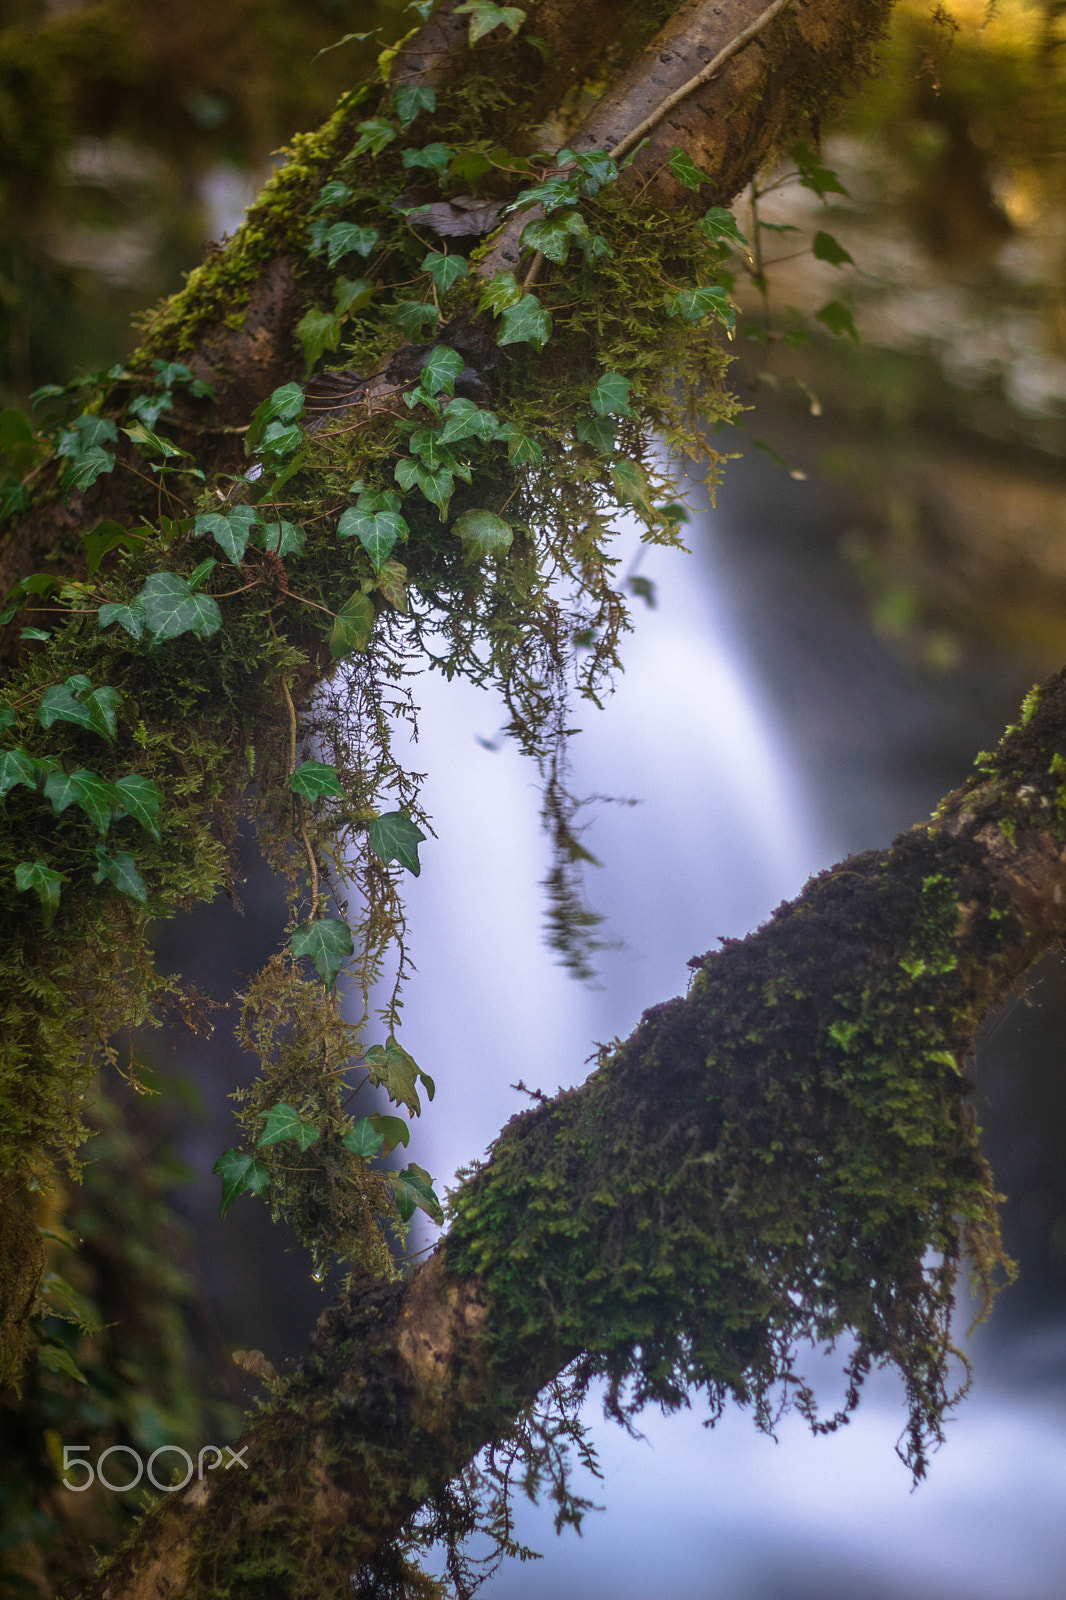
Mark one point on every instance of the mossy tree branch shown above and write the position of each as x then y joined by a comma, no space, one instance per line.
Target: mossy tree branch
786,1154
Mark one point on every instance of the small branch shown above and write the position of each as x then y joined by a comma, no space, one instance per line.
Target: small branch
311,862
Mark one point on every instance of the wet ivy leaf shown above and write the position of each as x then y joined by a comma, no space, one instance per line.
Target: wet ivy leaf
171,608
465,420
415,319
392,584
692,305
16,767
485,15
376,522
444,270
825,248
411,99
522,449
333,193
365,1140
394,837
721,225
837,317
413,1188
284,1122
315,780
72,702
283,538
483,534
443,365
102,539
241,1174
318,331
129,617
122,872
148,408
550,235
610,396
85,432
525,322
231,530
433,157
392,1067
631,485
813,172
38,634
685,169
374,134
327,942
284,406
599,432
426,443
351,294
45,884
141,798
345,237
84,470
153,443
95,796
436,486
552,195
352,626
503,291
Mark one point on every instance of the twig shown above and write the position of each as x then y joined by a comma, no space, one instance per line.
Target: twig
311,862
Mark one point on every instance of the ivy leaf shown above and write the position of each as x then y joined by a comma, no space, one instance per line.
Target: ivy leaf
631,485
285,1122
550,235
436,486
485,16
376,522
101,540
426,443
16,767
85,469
599,432
351,294
465,420
58,1359
394,1130
46,884
392,1067
414,319
284,405
231,530
315,780
503,291
129,617
444,270
71,702
522,449
171,608
148,408
483,534
364,1140
610,396
410,100
374,134
825,248
394,837
85,432
525,322
141,798
153,443
597,168
283,538
352,626
333,193
813,173
318,331
96,797
392,585
327,942
720,224
685,169
241,1174
434,157
122,872
345,237
838,319
691,305
442,366
413,1189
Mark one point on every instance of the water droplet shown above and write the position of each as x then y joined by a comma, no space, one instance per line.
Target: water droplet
319,1274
